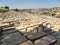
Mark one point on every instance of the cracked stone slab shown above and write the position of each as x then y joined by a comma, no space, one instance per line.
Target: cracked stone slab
9,32
35,35
13,39
45,40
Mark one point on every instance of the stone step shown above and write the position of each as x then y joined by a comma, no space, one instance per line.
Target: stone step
13,39
9,32
36,35
47,40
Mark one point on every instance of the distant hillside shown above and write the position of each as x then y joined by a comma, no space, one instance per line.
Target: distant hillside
43,11
11,13
4,9
27,17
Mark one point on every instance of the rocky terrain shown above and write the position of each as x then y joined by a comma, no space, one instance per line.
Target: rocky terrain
30,27
29,17
11,36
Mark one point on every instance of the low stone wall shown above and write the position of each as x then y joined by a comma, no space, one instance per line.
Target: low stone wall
28,28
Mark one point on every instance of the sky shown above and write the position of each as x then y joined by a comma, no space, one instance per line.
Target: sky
22,4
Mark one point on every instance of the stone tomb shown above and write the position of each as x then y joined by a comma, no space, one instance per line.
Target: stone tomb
33,36
47,40
12,39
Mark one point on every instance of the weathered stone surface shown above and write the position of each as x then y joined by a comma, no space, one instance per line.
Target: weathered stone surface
13,39
45,40
40,27
58,42
8,28
9,31
26,43
46,29
36,35
41,42
27,33
56,34
50,38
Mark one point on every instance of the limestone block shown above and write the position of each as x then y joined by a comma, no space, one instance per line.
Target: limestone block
13,39
35,35
45,40
26,43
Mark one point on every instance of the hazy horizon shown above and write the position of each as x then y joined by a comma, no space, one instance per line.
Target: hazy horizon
30,4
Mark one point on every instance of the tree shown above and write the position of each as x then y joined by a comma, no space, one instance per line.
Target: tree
16,9
7,7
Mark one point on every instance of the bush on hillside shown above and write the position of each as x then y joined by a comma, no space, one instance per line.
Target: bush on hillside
7,7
